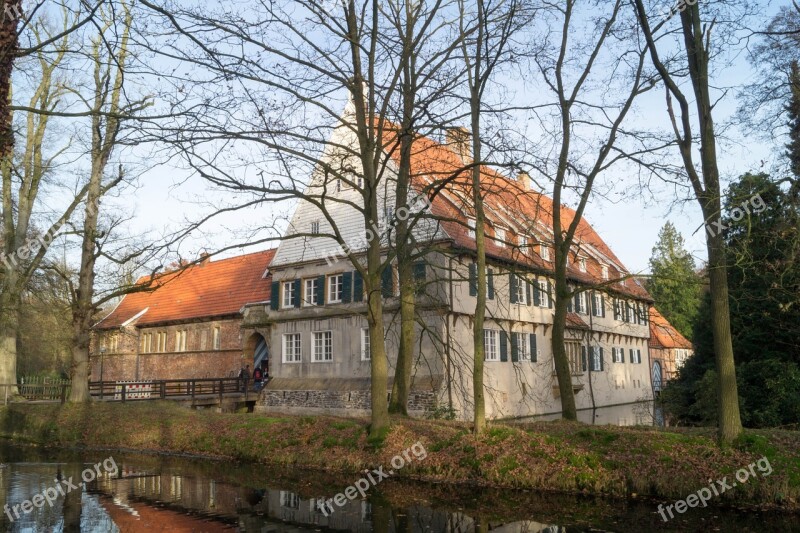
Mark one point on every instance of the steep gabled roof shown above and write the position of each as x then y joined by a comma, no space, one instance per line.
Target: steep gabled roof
663,334
205,290
512,206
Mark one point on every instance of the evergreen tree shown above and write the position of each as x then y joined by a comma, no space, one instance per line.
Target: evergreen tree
674,285
793,110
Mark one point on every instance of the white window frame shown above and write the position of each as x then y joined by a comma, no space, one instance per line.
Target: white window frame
522,290
617,355
147,342
289,500
287,294
315,227
339,282
582,307
471,228
524,241
322,340
500,237
295,350
366,352
595,354
491,345
523,345
544,252
604,271
544,297
597,307
582,264
161,342
310,292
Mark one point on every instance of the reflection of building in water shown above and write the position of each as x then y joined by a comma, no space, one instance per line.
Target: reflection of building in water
184,499
631,414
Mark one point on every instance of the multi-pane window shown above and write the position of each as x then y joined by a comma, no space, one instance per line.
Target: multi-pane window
582,264
597,304
522,290
288,294
618,355
291,348
216,340
310,292
471,228
180,341
636,356
290,500
366,354
574,356
604,271
323,346
500,237
523,344
597,358
490,345
523,241
580,303
315,227
544,295
335,288
544,251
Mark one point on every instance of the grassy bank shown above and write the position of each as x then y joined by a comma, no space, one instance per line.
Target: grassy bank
551,456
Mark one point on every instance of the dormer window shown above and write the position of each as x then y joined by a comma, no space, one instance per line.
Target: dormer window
523,241
471,228
582,264
544,251
500,237
604,271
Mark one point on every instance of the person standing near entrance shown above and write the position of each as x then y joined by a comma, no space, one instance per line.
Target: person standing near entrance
244,374
257,379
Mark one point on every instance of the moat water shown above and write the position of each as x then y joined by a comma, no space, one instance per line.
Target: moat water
147,493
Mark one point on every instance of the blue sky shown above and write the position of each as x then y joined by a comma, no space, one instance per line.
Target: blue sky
168,195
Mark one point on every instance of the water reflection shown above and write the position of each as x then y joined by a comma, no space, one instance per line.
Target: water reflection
156,494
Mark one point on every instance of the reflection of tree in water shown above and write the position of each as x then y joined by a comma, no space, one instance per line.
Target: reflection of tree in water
72,501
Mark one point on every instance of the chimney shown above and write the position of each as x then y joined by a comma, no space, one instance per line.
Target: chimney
203,258
460,141
524,180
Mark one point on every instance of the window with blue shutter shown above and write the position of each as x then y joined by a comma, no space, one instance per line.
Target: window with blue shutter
347,287
602,355
527,292
533,347
633,356
515,347
358,287
503,346
296,295
490,285
321,290
473,279
583,358
386,282
537,293
275,296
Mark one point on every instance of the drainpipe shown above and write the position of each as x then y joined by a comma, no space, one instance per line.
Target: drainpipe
447,334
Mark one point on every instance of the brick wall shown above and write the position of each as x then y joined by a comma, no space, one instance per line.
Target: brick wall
123,358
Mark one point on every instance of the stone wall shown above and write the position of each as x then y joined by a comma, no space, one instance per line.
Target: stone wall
314,401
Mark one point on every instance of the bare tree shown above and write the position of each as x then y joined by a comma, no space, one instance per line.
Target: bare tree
695,46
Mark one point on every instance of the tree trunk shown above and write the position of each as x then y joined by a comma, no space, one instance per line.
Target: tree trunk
405,356
479,414
9,313
378,361
563,370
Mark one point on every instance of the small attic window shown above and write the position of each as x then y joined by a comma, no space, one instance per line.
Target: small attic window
582,264
604,271
500,237
471,228
544,251
315,227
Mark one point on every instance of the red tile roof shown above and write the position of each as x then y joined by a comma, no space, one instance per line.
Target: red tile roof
573,320
663,334
509,205
205,290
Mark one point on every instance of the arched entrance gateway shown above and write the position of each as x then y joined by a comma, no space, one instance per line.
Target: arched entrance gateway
657,377
257,351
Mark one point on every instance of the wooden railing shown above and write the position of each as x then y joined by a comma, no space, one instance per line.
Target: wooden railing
39,388
166,389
